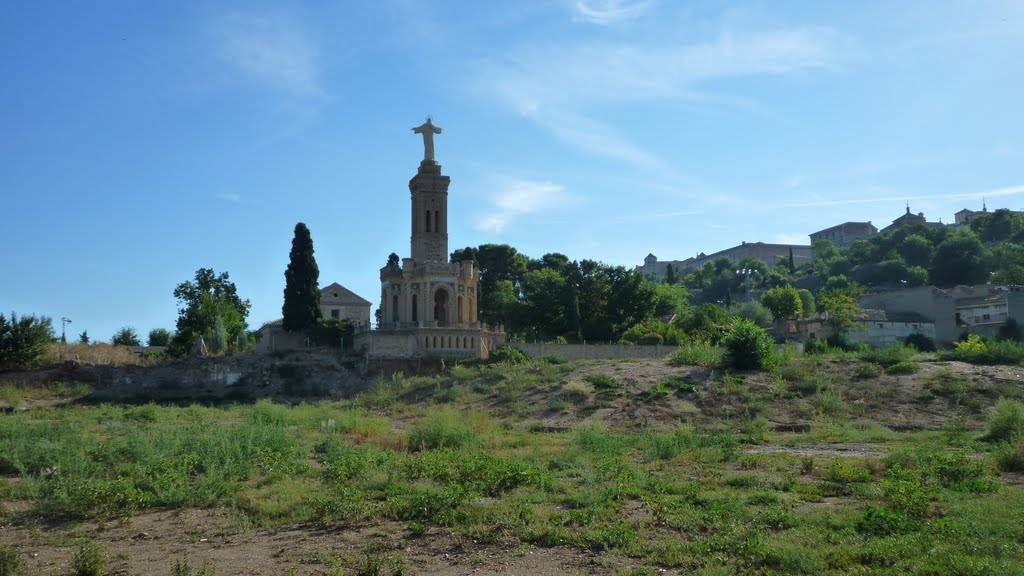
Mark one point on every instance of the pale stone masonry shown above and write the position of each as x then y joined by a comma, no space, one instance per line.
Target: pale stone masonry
428,305
336,302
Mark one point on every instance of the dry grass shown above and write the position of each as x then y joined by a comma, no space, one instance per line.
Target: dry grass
100,353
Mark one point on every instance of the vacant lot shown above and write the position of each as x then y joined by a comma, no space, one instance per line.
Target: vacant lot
821,466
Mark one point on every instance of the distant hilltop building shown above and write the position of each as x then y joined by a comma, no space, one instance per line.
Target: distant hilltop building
770,254
428,305
908,219
964,217
844,234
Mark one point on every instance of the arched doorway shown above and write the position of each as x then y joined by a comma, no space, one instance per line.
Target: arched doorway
441,307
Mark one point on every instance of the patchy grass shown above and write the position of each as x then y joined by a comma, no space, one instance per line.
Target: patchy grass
684,492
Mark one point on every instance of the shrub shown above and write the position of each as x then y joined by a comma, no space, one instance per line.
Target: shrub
332,333
11,561
652,338
868,370
829,401
1010,330
23,341
902,368
159,337
508,355
443,429
697,354
884,522
126,336
921,342
890,355
603,381
576,392
1006,423
1004,352
90,559
748,347
1009,456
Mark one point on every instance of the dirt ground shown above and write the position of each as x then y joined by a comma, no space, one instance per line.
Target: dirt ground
899,402
151,542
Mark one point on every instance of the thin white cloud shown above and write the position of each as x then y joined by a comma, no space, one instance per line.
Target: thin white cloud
596,138
560,86
272,50
889,198
559,75
606,12
658,216
518,198
233,197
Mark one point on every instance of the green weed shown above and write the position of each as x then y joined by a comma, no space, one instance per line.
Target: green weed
12,563
1006,421
697,354
90,559
603,382
902,368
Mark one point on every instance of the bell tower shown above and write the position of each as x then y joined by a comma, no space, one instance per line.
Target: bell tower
429,195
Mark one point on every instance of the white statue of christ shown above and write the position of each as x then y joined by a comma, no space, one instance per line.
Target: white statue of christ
428,130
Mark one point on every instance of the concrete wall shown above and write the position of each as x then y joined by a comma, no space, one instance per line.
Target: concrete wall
930,302
592,351
881,334
274,338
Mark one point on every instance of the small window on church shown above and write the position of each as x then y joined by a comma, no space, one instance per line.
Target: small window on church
335,313
437,221
428,220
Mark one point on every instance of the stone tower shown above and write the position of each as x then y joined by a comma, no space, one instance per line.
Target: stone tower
428,305
429,190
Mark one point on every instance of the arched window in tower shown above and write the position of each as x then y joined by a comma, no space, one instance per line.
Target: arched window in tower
394,308
460,308
428,220
437,221
415,317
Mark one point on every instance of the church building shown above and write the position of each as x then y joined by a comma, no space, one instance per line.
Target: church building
428,305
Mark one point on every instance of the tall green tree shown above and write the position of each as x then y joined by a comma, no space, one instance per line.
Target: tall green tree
301,309
959,259
839,300
159,337
23,340
783,302
200,302
126,336
916,250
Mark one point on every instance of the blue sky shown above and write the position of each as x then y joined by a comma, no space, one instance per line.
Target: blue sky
140,141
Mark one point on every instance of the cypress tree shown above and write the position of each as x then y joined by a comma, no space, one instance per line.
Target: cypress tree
670,275
792,265
301,308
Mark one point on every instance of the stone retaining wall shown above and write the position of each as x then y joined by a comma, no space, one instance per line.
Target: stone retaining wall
295,375
592,351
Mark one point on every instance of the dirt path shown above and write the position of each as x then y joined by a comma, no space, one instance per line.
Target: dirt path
152,542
